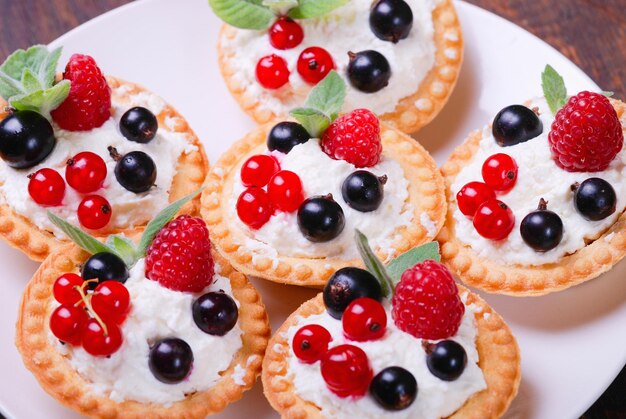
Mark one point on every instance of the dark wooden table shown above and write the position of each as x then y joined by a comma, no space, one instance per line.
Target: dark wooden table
592,33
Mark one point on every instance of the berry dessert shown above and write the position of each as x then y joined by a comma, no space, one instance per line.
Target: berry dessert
400,58
536,200
284,201
164,328
86,147
400,341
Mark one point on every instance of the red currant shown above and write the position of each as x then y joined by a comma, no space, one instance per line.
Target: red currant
285,191
494,220
346,371
258,170
500,172
286,33
254,208
86,172
272,71
65,289
97,342
111,301
46,187
67,323
364,319
314,64
310,343
94,212
472,195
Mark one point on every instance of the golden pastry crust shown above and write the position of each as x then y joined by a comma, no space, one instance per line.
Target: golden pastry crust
523,280
57,377
497,349
426,195
21,233
411,113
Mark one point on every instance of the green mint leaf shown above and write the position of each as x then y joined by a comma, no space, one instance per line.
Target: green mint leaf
20,60
373,264
162,218
48,68
553,89
30,82
328,95
9,87
78,236
410,258
314,121
243,14
280,7
124,248
308,9
42,101
608,93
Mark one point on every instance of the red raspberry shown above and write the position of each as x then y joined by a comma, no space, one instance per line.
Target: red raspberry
88,105
586,134
426,303
180,258
355,138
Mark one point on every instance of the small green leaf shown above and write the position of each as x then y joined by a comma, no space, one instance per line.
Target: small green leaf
9,87
78,236
243,14
608,93
410,258
21,59
42,101
308,9
125,248
314,121
162,218
373,264
553,89
280,7
48,68
328,95
30,81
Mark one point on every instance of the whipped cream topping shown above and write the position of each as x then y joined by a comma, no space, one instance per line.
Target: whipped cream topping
156,313
129,208
435,398
538,177
321,175
346,29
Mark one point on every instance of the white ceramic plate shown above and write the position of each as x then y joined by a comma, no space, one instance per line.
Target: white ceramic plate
572,342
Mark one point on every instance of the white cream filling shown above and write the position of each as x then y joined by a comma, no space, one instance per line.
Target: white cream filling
538,177
346,29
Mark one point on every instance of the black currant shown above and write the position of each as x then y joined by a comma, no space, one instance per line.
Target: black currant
595,199
368,71
363,190
215,313
138,124
542,229
135,171
286,135
345,286
394,388
26,138
446,359
516,124
320,218
391,20
104,266
170,360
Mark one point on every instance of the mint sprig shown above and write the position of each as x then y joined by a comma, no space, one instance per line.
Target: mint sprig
554,89
27,80
308,9
373,264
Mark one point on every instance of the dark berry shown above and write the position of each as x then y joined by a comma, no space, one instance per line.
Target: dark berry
170,360
345,286
368,71
391,20
542,229
215,313
285,136
446,360
320,219
138,124
595,199
26,138
363,190
135,171
104,266
394,388
516,124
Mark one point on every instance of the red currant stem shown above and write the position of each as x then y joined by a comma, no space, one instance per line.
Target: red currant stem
86,298
510,174
383,179
106,209
115,155
543,205
70,162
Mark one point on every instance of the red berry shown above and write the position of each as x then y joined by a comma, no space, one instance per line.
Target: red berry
286,33
258,170
426,302
46,187
111,301
586,134
180,258
285,191
254,208
472,195
500,172
310,343
272,72
88,105
314,64
494,220
98,342
94,212
86,172
364,319
346,371
65,289
355,138
67,323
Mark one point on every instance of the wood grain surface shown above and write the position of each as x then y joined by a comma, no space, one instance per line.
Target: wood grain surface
592,33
